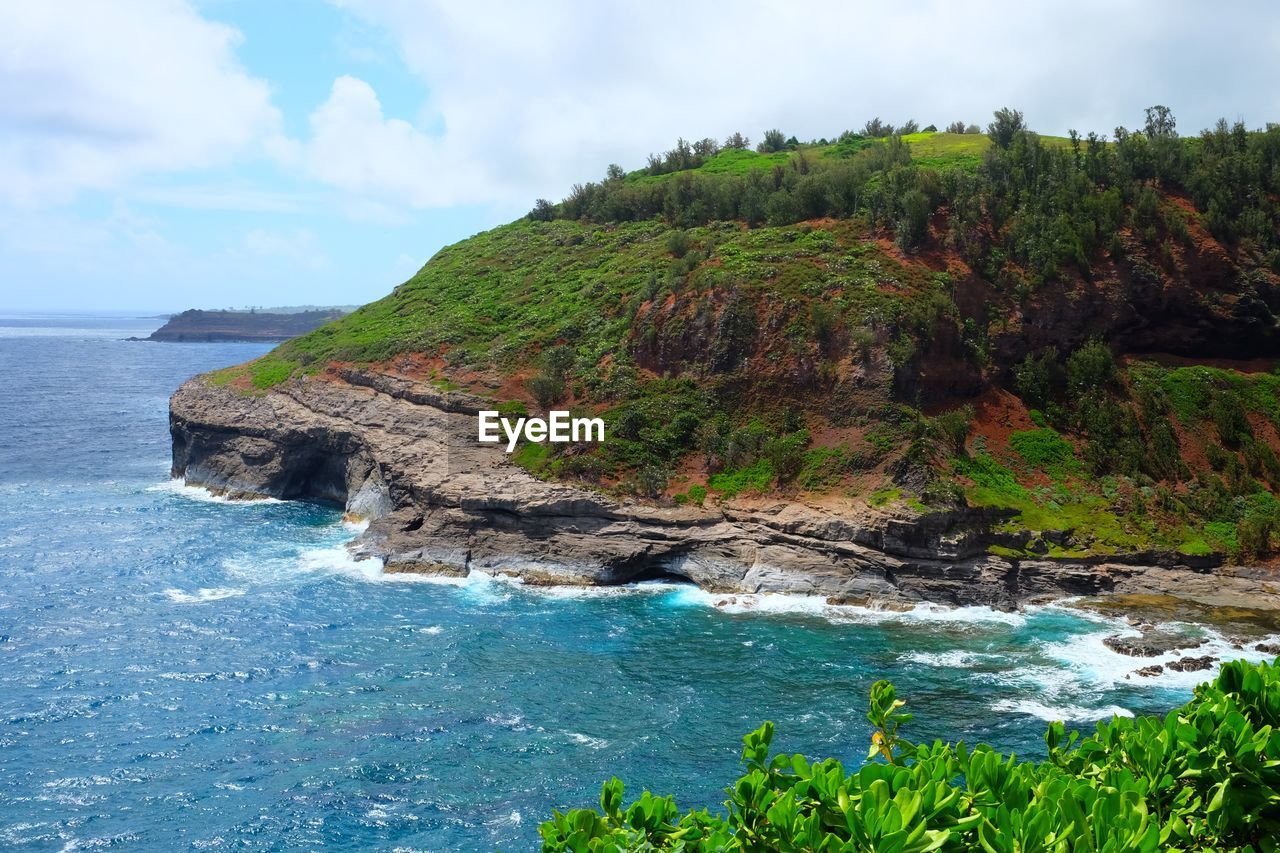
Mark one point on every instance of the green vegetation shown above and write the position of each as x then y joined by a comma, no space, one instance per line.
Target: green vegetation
1045,449
271,370
755,478
784,313
1205,777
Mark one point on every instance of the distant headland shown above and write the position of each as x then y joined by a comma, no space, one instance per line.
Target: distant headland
250,324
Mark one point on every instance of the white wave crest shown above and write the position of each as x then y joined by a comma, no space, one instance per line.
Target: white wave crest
587,740
952,659
1087,659
575,593
814,605
203,594
178,486
1065,713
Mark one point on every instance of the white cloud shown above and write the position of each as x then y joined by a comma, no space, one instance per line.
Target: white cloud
355,148
94,94
298,246
533,97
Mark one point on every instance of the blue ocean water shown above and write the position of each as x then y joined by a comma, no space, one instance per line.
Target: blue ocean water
180,672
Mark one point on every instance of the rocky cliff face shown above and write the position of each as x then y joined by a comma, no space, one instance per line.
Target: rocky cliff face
403,455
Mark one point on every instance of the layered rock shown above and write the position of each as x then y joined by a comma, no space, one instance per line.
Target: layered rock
403,455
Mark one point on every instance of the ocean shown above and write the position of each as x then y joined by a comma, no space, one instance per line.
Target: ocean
183,672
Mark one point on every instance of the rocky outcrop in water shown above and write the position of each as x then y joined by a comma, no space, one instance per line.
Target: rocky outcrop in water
200,326
1151,643
403,455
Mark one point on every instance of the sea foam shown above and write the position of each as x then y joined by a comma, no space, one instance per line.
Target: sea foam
178,486
203,594
1065,713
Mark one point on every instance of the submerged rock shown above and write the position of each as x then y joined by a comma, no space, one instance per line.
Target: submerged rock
1149,671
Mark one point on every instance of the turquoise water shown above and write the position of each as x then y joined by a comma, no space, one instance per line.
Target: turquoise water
179,672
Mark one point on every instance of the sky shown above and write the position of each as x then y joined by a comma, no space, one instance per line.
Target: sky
158,155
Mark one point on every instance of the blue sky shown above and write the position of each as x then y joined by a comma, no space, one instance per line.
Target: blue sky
163,154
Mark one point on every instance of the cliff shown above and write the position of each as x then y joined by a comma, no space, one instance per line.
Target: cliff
402,455
937,366
196,325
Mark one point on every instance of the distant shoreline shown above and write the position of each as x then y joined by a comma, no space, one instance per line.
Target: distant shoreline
198,326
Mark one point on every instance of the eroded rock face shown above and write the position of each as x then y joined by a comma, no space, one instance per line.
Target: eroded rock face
403,455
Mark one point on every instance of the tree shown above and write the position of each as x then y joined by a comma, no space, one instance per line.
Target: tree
974,129
737,141
1007,125
543,211
956,127
1160,123
914,223
1167,153
875,128
680,157
614,173
706,148
909,126
774,140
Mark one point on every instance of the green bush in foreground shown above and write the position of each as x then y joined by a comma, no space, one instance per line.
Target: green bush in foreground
1205,777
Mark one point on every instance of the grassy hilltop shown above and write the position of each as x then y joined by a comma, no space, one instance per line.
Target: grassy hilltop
1079,330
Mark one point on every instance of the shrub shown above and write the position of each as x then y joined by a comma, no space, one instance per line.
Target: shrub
951,428
914,223
650,481
1090,368
678,243
822,319
862,340
1203,777
1229,417
786,454
1253,535
1036,377
943,492
547,389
